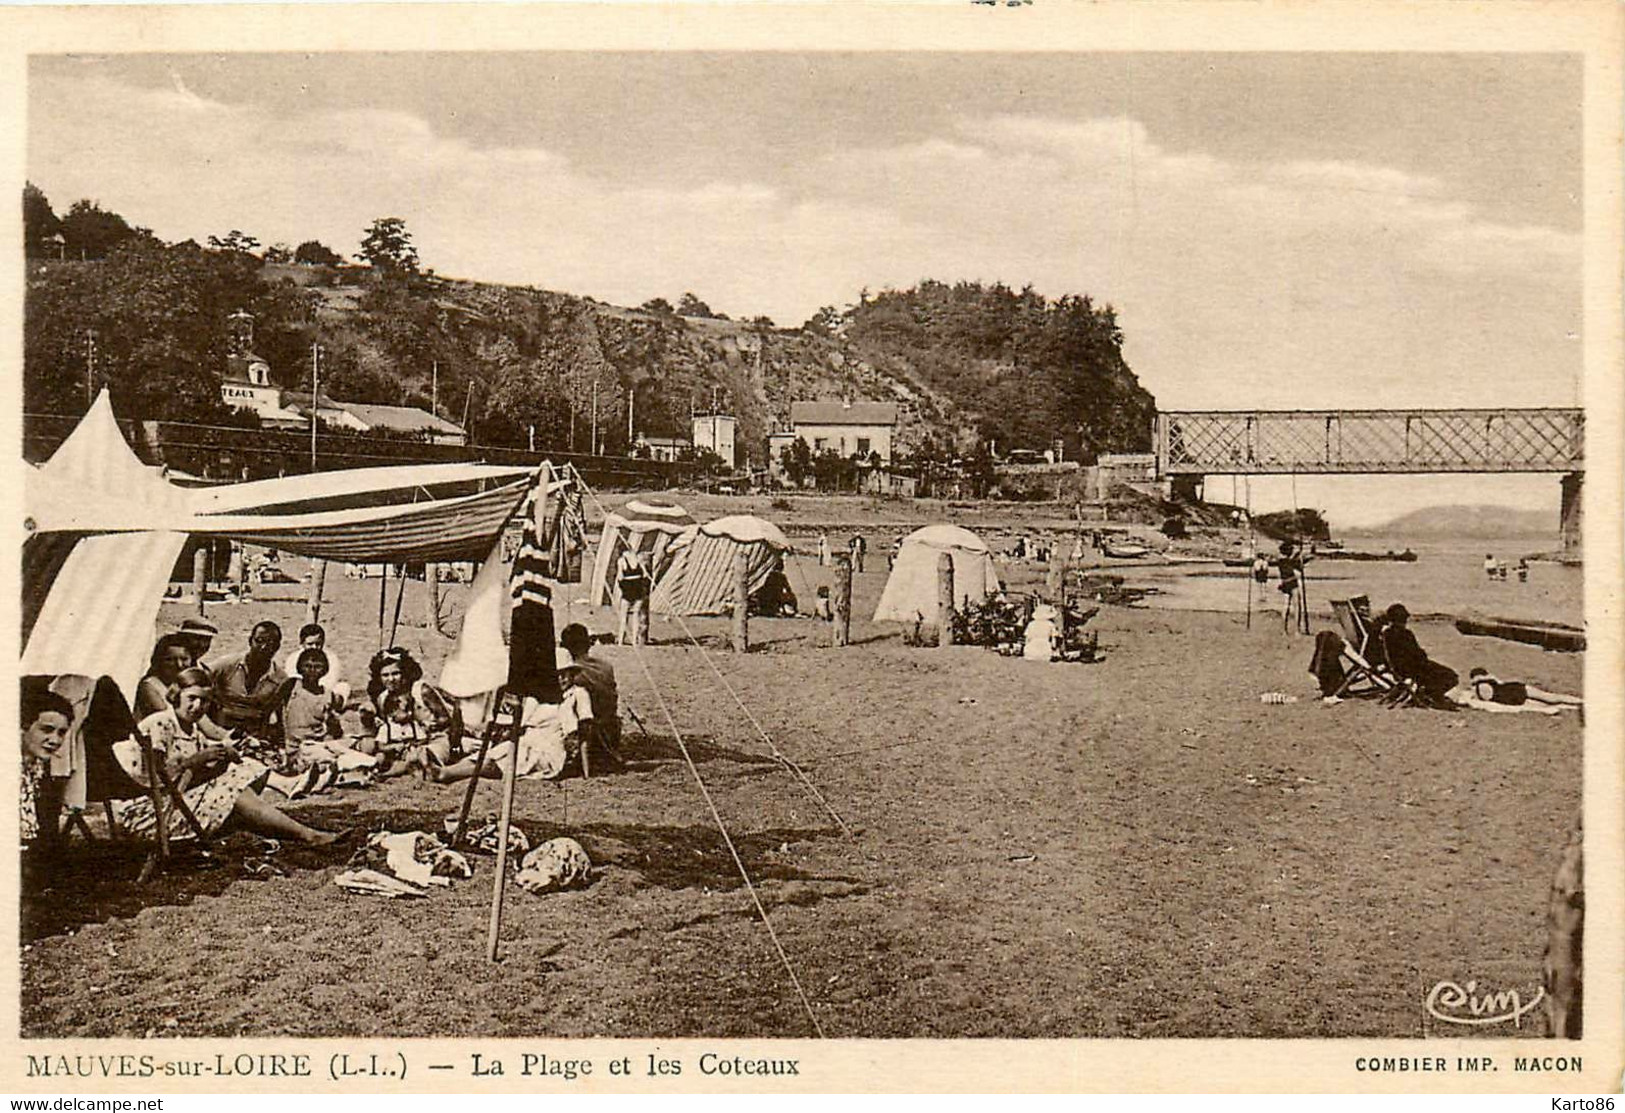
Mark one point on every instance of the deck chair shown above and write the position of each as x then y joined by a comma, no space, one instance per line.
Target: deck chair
107,720
1362,677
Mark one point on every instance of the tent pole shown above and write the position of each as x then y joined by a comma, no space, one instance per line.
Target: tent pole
400,593
510,777
383,585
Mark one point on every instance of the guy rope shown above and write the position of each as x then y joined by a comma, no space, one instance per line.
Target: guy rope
750,887
778,754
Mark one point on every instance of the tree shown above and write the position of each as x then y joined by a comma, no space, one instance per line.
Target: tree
315,254
690,306
797,461
39,223
387,247
279,253
658,306
92,232
824,322
235,240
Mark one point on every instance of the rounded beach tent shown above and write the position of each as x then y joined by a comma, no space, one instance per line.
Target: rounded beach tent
700,579
912,588
646,526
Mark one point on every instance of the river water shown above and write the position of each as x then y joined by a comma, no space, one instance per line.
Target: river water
1448,578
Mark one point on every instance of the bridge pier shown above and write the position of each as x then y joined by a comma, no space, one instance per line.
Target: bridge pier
1573,489
1185,488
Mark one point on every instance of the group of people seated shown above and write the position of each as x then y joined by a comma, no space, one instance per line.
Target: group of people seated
226,733
1392,646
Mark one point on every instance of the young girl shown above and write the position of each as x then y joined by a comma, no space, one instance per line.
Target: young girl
416,725
224,786
311,729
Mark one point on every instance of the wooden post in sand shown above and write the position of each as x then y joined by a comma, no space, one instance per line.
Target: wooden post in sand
318,581
945,600
510,775
1055,582
840,599
200,574
640,621
431,580
741,602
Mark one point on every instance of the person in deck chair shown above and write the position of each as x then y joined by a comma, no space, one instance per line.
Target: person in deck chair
1409,661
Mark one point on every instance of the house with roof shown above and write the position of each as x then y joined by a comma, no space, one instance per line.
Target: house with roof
406,421
848,428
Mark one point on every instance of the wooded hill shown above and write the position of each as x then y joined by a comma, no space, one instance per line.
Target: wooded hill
967,364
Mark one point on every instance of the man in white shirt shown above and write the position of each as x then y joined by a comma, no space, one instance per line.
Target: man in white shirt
312,636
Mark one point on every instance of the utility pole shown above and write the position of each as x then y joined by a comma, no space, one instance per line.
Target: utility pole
467,398
595,415
631,392
90,366
434,389
315,392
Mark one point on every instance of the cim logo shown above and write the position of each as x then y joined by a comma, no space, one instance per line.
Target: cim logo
1470,1005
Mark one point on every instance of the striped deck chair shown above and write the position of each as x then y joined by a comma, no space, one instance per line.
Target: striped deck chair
1362,677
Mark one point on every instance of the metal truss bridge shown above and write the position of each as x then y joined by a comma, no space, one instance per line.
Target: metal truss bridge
1331,442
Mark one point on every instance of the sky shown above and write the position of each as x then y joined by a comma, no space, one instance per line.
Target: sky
1273,230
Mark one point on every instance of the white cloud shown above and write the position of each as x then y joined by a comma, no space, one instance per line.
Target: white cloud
1297,283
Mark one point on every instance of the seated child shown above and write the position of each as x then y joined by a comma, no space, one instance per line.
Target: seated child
407,740
549,734
314,748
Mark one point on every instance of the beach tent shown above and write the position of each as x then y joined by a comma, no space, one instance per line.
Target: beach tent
646,526
104,531
912,587
700,577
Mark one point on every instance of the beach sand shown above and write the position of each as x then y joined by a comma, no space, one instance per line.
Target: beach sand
1137,848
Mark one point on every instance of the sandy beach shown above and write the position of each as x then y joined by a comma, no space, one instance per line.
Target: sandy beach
1137,847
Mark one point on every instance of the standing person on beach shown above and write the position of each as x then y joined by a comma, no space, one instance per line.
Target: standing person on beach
632,587
823,550
1489,565
1291,566
858,547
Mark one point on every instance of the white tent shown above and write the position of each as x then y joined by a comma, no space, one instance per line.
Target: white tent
105,531
911,590
646,526
700,578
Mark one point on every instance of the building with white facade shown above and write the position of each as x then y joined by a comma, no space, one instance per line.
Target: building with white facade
848,428
716,432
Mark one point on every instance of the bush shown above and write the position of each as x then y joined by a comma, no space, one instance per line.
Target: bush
780,503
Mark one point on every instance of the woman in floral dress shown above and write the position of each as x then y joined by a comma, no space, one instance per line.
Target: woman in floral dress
223,786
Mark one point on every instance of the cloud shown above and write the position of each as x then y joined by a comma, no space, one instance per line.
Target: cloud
1288,283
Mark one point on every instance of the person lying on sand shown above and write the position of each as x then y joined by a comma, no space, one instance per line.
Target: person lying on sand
1485,692
224,785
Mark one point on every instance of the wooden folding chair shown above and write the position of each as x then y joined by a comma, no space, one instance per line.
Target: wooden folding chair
1361,676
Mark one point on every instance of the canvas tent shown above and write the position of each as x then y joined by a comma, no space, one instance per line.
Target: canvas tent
646,526
105,530
700,577
912,588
